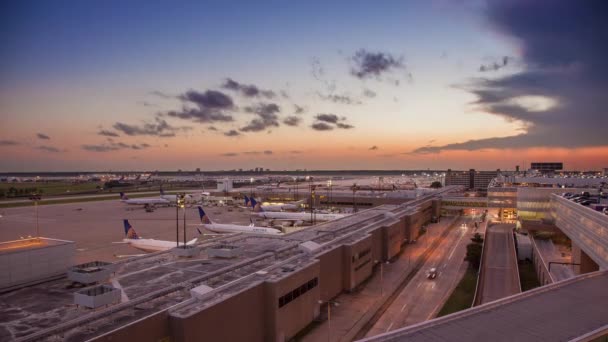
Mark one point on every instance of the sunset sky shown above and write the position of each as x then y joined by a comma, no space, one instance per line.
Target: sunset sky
166,85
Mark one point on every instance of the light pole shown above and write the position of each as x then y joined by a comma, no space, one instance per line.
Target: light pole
178,203
381,277
250,186
354,199
184,207
36,198
329,303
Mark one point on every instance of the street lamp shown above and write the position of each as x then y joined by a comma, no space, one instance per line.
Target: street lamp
251,186
179,202
36,198
354,199
329,189
329,303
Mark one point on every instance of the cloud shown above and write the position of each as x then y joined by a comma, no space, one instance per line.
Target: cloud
323,121
107,133
369,93
43,136
373,148
296,152
8,143
267,113
495,66
321,126
292,121
48,149
343,99
331,118
212,128
266,152
232,133
113,146
161,94
230,154
559,97
211,106
369,64
159,128
318,73
248,90
298,109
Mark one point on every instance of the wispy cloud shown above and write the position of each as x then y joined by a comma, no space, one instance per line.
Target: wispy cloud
342,99
367,64
107,133
113,146
248,90
8,143
292,121
267,117
49,149
232,133
43,136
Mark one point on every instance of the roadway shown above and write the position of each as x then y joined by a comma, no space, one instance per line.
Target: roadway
89,196
422,298
355,310
499,274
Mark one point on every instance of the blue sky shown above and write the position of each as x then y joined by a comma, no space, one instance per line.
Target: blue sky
70,69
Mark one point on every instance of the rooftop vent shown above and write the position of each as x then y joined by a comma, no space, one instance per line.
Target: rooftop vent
91,272
309,246
94,297
199,291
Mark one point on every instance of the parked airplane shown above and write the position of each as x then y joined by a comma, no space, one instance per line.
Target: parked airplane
277,207
173,198
148,245
233,228
295,218
148,202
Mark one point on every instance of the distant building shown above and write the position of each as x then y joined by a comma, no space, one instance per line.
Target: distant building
606,171
547,167
224,185
476,180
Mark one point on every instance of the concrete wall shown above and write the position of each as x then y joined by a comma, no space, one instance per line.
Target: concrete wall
285,322
358,261
152,328
237,318
331,280
580,257
540,265
31,260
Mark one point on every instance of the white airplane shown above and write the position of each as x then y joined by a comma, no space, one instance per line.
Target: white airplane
276,207
233,228
148,202
296,218
173,198
149,245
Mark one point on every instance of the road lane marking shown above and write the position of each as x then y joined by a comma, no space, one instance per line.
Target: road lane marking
389,327
433,286
403,308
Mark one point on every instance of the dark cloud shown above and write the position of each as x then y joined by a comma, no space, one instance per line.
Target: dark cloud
107,133
211,106
158,128
369,93
344,99
373,148
114,146
344,125
324,122
322,126
564,53
372,64
232,133
331,118
298,109
230,154
8,143
495,66
267,117
212,128
292,120
48,149
248,90
43,136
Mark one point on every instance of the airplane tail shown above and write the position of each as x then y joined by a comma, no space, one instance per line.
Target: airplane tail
256,206
203,216
123,196
129,231
246,200
162,192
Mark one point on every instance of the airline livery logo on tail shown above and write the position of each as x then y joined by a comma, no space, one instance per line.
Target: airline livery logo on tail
129,231
203,216
255,205
123,196
246,200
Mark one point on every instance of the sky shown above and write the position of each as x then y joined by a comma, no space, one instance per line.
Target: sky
284,85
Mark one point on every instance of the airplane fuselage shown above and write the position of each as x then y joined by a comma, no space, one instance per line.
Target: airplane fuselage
152,245
277,215
232,228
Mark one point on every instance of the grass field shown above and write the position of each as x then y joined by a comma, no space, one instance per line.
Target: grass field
527,275
463,294
52,188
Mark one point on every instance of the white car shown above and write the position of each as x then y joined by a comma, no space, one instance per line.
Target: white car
432,273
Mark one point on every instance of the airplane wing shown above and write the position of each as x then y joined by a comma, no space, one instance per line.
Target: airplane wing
121,256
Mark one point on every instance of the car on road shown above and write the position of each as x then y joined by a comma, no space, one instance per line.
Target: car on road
432,273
